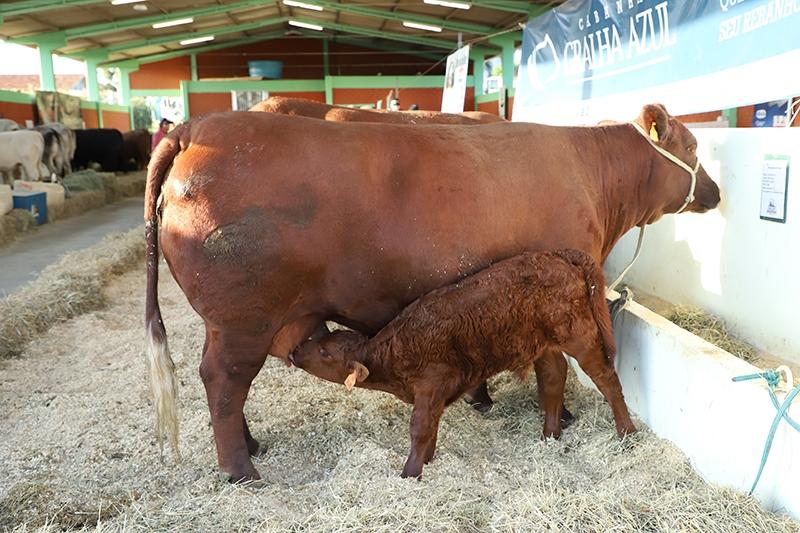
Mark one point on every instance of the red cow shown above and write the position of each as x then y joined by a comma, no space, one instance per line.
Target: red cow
136,146
273,224
453,338
310,108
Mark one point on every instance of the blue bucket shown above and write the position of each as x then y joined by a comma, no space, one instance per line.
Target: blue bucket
266,69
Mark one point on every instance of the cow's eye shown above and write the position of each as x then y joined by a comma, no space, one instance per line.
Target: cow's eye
324,353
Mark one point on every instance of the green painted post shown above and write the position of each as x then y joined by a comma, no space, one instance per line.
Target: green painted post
46,48
92,61
731,116
193,59
477,70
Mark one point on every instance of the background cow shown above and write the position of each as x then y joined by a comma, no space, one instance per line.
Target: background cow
312,109
453,338
21,149
272,224
136,147
8,125
99,145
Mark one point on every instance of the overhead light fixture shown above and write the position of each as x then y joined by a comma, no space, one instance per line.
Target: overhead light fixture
454,5
303,5
197,40
421,26
140,7
169,23
123,2
306,26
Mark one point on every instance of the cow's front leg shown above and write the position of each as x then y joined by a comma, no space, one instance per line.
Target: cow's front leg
230,363
424,427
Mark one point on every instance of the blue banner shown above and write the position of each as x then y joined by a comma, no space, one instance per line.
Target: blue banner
589,60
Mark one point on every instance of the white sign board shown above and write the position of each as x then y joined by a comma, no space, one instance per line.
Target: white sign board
774,180
455,81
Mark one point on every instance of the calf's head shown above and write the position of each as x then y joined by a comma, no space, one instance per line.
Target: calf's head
335,357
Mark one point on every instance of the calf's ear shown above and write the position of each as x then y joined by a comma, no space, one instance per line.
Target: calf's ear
359,373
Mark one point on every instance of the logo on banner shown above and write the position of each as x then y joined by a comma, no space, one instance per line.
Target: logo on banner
547,52
605,39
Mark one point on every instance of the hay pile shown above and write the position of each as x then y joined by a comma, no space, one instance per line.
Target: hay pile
89,190
79,450
69,288
710,328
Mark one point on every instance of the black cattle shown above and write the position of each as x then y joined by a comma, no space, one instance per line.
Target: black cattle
101,145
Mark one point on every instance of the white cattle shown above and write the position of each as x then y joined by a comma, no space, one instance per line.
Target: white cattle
21,148
8,125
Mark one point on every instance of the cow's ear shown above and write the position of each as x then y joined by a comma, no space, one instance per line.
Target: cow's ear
655,121
359,373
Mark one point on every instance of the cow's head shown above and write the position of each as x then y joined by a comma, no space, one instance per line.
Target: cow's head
333,358
667,133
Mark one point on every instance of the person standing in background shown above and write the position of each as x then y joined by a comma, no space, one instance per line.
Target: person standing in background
163,129
394,105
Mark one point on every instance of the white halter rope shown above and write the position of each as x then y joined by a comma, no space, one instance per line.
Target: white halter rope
684,166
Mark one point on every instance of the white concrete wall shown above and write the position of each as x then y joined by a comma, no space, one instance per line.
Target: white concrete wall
680,387
729,262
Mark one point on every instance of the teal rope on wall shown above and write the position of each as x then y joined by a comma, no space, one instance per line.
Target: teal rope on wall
773,378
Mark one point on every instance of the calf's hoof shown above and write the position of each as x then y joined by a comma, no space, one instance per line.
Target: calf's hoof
566,418
482,406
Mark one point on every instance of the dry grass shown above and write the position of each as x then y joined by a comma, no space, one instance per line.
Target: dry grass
69,288
79,450
711,329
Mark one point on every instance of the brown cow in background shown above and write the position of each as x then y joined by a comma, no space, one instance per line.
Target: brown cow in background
273,224
136,147
312,109
456,337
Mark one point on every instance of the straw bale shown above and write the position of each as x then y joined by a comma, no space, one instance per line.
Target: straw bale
83,180
78,393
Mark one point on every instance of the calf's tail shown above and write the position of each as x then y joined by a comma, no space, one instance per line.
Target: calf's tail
160,367
596,288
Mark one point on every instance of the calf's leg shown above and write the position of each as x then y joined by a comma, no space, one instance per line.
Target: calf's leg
551,377
602,373
424,428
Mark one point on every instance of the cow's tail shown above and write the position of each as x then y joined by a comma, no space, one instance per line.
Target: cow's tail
596,288
160,367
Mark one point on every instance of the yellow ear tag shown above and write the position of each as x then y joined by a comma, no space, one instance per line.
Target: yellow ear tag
653,132
350,382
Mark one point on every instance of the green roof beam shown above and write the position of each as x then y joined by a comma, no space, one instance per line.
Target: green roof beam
33,6
140,22
197,49
424,41
391,15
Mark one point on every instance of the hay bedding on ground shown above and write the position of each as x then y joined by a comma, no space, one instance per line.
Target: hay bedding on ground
78,450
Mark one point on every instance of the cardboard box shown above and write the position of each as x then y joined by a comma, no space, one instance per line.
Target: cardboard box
54,191
35,202
6,200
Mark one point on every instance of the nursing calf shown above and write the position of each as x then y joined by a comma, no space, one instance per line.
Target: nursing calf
454,338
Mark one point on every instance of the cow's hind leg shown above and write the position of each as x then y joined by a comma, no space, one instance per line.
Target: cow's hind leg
230,363
593,362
